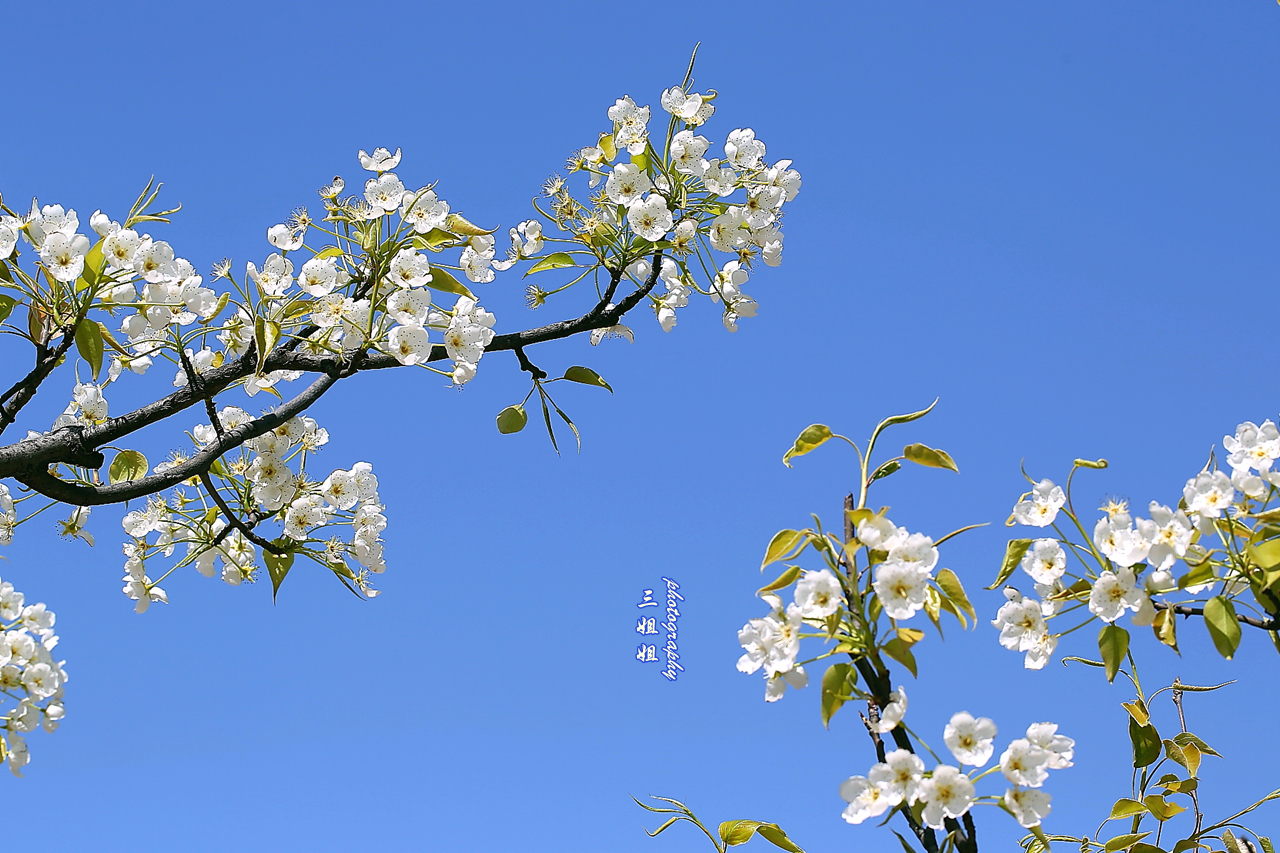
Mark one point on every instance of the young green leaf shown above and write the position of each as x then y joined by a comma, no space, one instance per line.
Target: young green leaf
586,376
810,438
783,580
128,465
1125,807
328,252
266,334
835,689
512,419
6,304
1146,743
1224,629
1124,842
782,544
1113,642
442,280
929,457
556,261
278,565
458,224
950,584
1013,554
901,652
89,344
898,419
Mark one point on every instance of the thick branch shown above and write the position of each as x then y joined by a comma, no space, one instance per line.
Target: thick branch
46,484
12,401
1272,624
77,445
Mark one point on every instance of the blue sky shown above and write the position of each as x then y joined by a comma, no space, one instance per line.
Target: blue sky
1059,219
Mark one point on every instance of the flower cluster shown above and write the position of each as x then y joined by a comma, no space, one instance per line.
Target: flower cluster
948,792
28,674
1131,565
774,641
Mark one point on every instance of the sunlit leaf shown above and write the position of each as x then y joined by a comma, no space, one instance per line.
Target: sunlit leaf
512,419
127,466
810,438
586,376
1013,554
929,457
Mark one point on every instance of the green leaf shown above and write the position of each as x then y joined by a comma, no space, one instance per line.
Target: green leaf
5,275
1146,743
512,419
950,584
1202,573
433,239
586,376
328,252
278,565
127,466
1165,627
1113,642
885,470
266,335
929,457
1124,842
1220,619
905,846
1144,847
1266,554
458,224
1125,807
835,689
1173,752
810,438
442,280
1229,842
89,343
1013,554
1184,738
1138,710
901,652
897,419
6,306
783,580
782,544
556,261
773,833
1187,844
1266,844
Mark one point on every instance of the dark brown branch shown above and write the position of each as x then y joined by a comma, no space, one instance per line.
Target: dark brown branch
233,521
77,445
13,400
1272,624
46,484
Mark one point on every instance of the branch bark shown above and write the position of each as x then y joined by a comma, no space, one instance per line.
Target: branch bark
1272,624
28,461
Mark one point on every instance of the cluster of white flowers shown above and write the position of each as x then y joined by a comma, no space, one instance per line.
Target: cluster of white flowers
946,791
902,578
774,641
1137,556
28,674
685,197
8,515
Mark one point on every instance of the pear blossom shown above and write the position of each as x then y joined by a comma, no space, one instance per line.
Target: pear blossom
970,739
1041,508
901,588
275,277
631,124
423,210
727,233
777,685
686,153
743,150
285,238
119,247
384,193
1253,447
818,594
8,238
688,107
627,182
1060,748
409,268
409,344
1045,561
409,307
1024,763
947,793
63,256
1208,494
319,277
905,770
1028,805
866,799
382,160
1122,543
154,260
1113,593
878,533
650,218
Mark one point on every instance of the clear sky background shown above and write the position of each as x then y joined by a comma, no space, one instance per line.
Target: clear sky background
1058,218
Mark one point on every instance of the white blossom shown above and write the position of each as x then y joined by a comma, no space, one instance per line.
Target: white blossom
1040,509
970,739
947,793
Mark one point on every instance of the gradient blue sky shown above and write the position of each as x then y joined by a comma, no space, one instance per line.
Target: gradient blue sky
1058,218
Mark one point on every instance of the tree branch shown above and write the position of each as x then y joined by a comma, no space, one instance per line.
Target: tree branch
77,445
1272,624
12,401
50,486
233,521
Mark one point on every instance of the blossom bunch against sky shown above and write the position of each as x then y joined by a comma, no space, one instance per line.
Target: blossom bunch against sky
1048,217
